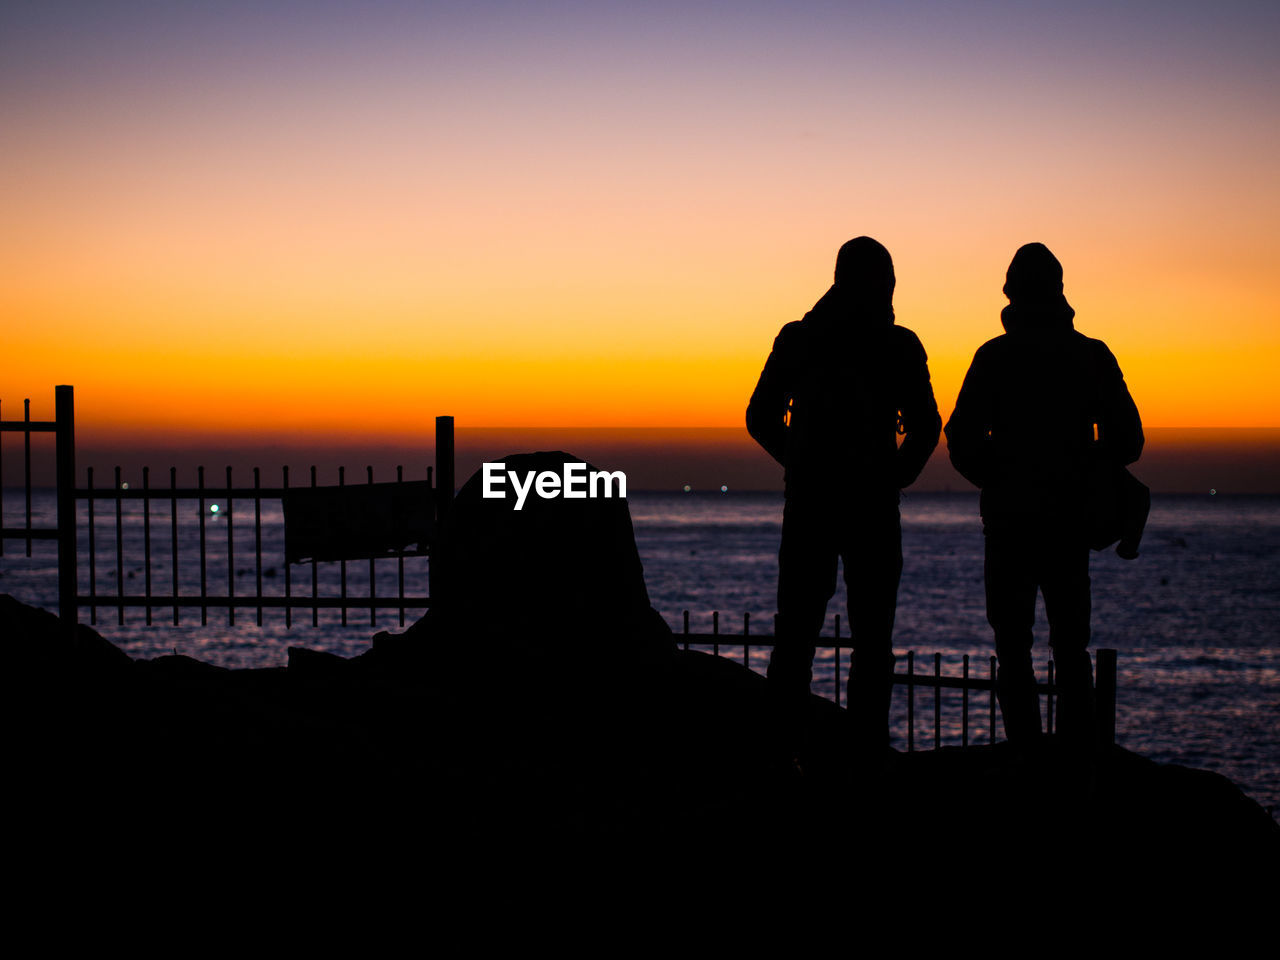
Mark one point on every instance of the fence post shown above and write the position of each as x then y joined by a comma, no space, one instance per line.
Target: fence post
65,451
1106,697
444,467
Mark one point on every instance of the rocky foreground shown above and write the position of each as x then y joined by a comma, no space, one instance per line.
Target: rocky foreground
430,749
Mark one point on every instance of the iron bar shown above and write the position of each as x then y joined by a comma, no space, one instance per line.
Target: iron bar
22,533
29,426
93,551
173,535
342,564
400,554
911,701
257,537
191,493
373,578
146,538
288,576
119,553
65,472
444,467
204,583
937,701
246,601
315,578
2,426
231,556
26,461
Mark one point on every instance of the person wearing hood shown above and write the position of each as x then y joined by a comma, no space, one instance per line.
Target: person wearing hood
838,390
1041,408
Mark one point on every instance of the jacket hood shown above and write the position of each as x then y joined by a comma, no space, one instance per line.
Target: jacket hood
861,298
864,278
1033,285
1038,319
839,314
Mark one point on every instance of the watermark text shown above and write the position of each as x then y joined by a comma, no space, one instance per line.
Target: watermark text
574,482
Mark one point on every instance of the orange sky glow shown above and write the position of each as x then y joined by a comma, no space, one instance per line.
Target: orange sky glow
347,237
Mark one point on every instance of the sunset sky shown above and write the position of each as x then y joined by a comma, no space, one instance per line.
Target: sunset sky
316,219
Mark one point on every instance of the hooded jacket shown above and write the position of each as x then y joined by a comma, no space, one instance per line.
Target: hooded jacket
1042,406
836,390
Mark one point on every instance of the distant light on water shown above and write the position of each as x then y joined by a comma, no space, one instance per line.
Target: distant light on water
1213,492
724,488
125,485
687,488
213,508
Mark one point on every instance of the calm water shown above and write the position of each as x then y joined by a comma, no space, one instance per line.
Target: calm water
1195,619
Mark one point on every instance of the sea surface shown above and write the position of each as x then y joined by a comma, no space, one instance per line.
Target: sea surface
1195,619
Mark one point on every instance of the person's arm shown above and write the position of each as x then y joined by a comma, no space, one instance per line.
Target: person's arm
921,424
1120,437
767,411
969,429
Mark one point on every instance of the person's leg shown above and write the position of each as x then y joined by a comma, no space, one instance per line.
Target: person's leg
872,551
1011,609
806,581
1065,584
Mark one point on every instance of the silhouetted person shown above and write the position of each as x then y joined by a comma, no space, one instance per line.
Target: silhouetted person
838,389
1042,409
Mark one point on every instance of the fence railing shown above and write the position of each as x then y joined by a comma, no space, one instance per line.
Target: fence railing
936,681
371,523
63,429
322,517
206,506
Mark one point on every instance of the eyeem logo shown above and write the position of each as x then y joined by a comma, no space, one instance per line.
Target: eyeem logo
575,483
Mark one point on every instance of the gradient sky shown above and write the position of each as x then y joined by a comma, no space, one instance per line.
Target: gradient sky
304,218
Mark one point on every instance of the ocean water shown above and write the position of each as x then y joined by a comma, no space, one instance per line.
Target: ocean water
1195,619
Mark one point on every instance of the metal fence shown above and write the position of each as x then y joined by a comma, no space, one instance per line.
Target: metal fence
361,503
223,504
931,683
63,429
416,506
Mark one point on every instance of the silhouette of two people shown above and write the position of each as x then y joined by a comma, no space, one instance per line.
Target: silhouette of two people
839,389
1043,415
845,405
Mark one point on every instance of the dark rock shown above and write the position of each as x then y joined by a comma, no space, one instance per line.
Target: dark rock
178,665
33,639
685,757
554,560
302,660
554,591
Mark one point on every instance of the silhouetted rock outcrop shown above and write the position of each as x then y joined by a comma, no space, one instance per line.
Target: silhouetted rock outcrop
552,593
32,641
